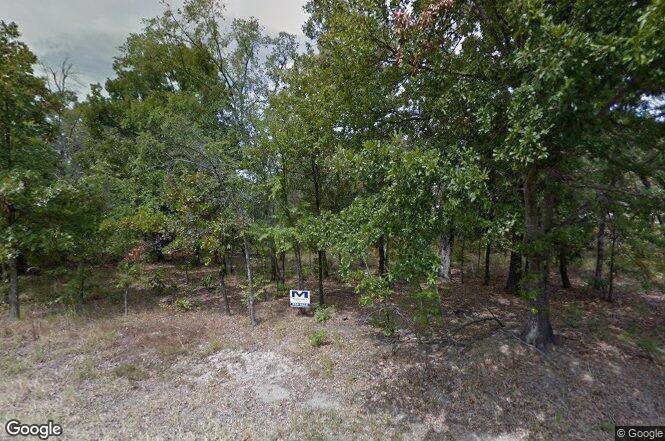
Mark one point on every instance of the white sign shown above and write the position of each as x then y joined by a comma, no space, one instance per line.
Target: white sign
300,299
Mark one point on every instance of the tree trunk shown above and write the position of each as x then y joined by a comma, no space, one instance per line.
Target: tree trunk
311,261
79,291
515,266
381,247
197,257
537,328
14,308
488,251
4,273
321,263
446,255
126,304
461,263
610,288
563,269
299,276
222,284
480,253
317,201
274,268
250,281
282,270
326,268
600,256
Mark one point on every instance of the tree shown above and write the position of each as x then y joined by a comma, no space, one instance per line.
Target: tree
539,80
26,162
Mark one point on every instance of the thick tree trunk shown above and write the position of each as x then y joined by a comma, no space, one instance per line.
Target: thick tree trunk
222,284
446,255
515,266
488,252
326,269
250,281
537,329
563,269
598,284
381,247
14,308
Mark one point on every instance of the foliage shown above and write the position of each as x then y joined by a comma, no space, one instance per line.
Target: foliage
317,339
322,314
184,304
208,282
517,125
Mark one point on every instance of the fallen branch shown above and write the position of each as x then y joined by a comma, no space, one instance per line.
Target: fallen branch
480,320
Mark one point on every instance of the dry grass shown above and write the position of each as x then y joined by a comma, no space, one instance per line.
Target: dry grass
169,374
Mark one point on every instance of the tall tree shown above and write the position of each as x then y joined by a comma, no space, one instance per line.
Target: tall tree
27,163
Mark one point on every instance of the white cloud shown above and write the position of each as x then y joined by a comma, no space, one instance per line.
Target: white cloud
88,32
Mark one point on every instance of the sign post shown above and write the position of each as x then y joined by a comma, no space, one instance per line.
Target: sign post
299,299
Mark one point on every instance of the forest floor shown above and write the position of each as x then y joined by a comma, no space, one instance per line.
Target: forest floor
164,373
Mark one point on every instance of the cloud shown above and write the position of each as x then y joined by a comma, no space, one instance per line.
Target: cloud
89,32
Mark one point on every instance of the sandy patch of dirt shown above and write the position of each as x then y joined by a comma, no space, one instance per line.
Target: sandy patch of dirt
161,374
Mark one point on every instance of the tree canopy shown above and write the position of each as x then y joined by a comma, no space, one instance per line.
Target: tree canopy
402,131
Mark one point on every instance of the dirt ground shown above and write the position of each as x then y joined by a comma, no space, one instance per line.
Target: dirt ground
164,373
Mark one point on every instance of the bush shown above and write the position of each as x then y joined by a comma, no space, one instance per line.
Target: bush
184,304
322,314
214,345
208,282
317,338
156,281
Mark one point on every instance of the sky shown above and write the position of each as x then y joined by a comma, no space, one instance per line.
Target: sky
89,32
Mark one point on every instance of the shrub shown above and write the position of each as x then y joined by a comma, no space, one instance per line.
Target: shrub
322,314
156,281
208,282
84,369
184,304
317,338
214,345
